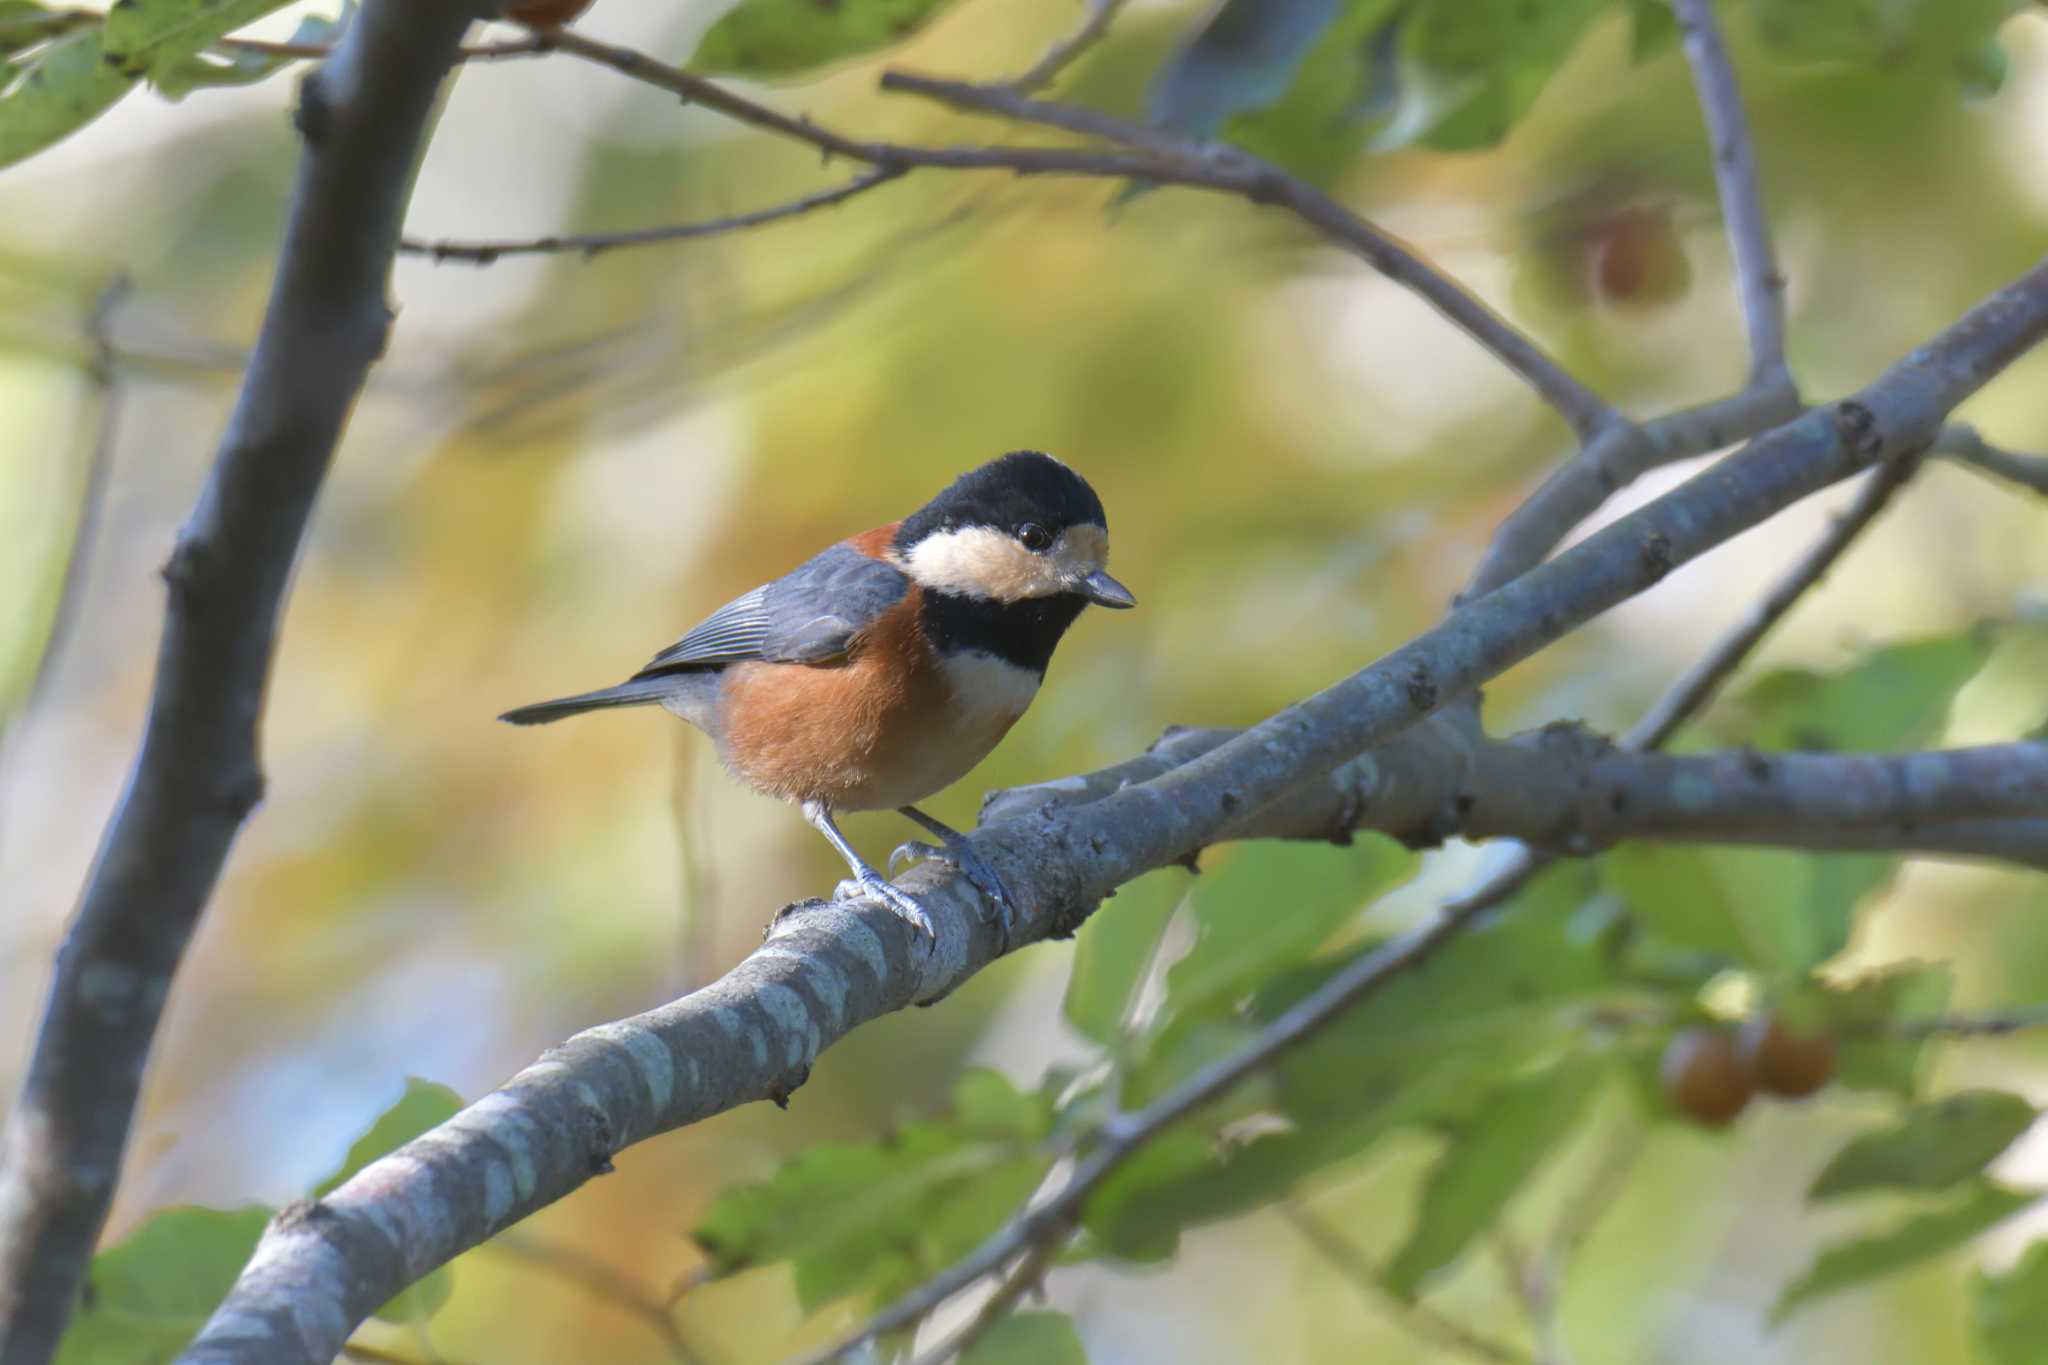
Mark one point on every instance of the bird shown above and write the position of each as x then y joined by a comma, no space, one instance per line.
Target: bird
882,669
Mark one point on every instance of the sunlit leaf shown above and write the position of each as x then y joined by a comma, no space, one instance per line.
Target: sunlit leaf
1466,72
423,1106
1269,905
1672,894
1029,1339
149,1295
242,67
785,37
55,91
1873,1056
1113,950
1896,697
880,1217
144,37
1932,1146
1928,35
2012,1311
1918,1238
1510,1133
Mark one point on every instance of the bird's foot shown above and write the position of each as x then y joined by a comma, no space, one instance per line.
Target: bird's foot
961,854
870,883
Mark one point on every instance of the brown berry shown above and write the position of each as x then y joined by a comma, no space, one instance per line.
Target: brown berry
546,13
1783,1062
1703,1076
1638,257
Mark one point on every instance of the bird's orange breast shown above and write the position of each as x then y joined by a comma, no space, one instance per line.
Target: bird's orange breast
885,727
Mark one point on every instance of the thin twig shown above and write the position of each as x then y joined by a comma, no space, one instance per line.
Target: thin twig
1425,1322
603,1281
1151,155
1027,1275
1749,232
1529,1288
1697,685
1121,1137
1063,52
1961,442
1264,183
1998,1025
535,45
592,243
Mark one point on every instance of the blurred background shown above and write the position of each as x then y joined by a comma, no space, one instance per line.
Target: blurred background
562,463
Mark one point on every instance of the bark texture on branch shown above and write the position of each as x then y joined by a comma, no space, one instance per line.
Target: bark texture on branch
323,1267
197,776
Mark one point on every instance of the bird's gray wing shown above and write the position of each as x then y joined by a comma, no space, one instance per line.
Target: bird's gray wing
810,615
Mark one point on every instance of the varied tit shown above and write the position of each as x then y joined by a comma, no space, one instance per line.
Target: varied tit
880,671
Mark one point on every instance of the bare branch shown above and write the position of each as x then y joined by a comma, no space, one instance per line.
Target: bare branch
1749,233
538,44
1699,683
1264,183
1961,442
829,967
1024,1277
197,778
1614,459
594,243
1101,13
1153,156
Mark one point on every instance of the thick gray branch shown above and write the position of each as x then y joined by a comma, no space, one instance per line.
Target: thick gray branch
1565,790
196,777
826,968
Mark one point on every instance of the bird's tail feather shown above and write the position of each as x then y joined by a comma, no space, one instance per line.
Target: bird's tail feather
637,692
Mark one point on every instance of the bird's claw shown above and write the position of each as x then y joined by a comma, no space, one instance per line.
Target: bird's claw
904,904
961,854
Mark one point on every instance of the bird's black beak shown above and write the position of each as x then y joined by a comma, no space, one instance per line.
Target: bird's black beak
1105,591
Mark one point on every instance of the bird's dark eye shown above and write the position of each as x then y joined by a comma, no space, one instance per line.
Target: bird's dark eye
1034,537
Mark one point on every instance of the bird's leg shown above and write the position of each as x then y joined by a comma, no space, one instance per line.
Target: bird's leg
955,849
867,881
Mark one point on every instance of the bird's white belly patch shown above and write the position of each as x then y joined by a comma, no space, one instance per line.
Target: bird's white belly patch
987,689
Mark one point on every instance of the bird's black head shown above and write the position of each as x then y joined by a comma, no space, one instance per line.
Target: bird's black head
1020,527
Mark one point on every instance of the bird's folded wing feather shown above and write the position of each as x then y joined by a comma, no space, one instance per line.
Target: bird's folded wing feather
810,615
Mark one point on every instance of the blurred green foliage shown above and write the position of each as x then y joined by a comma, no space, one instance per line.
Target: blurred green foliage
574,461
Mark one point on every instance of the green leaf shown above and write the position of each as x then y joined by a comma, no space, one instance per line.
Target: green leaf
1138,1212
423,1106
987,1105
1270,904
1915,1240
1872,1056
882,1217
149,1295
785,37
146,37
1673,895
57,90
1113,951
1933,1146
1029,1339
1467,70
1654,28
2012,1311
1897,697
1905,35
24,24
178,79
1489,1158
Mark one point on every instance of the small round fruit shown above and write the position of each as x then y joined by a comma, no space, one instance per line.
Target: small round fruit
1638,257
546,13
1786,1063
1704,1078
